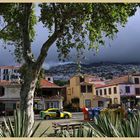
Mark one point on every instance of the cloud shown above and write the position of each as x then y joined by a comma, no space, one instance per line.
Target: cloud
124,48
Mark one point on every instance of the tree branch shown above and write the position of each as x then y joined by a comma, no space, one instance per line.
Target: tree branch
4,28
45,48
55,17
27,54
53,38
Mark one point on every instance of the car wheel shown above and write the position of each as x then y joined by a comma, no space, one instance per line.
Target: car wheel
66,116
47,117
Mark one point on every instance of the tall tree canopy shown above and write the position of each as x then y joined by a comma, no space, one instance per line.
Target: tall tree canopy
70,25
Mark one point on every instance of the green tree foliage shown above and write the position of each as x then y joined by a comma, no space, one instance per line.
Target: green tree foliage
17,128
12,23
75,23
60,82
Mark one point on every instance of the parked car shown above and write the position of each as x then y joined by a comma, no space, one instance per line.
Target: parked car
55,113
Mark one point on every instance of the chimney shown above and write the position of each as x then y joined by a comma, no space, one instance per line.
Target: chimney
130,78
49,78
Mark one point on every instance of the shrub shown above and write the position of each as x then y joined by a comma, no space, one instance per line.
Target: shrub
18,127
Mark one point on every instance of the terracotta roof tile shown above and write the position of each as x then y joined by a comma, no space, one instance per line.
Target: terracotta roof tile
123,79
107,85
98,85
136,74
9,67
115,81
4,82
85,83
7,83
46,84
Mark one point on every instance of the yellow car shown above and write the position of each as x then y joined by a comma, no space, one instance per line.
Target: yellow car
55,113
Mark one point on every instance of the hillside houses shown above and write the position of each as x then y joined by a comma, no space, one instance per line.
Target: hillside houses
93,92
82,91
122,90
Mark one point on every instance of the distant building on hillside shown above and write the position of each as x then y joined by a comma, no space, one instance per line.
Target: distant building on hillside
11,73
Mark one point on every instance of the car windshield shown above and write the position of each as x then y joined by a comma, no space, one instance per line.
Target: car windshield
52,110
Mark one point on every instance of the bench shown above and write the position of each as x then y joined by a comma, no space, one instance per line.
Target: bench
69,126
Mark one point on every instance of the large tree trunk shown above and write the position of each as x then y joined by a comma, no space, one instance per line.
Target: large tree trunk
27,95
32,67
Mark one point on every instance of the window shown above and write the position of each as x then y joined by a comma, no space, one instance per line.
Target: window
14,76
127,89
49,79
115,90
56,104
83,88
51,105
109,90
52,110
136,80
137,91
5,77
5,71
15,71
88,103
105,91
89,88
97,92
100,91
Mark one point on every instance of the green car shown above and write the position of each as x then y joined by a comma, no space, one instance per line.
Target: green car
55,113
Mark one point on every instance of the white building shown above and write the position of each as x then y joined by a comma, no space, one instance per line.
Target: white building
47,96
9,96
9,73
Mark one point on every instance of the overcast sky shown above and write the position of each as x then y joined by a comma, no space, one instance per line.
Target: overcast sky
124,48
